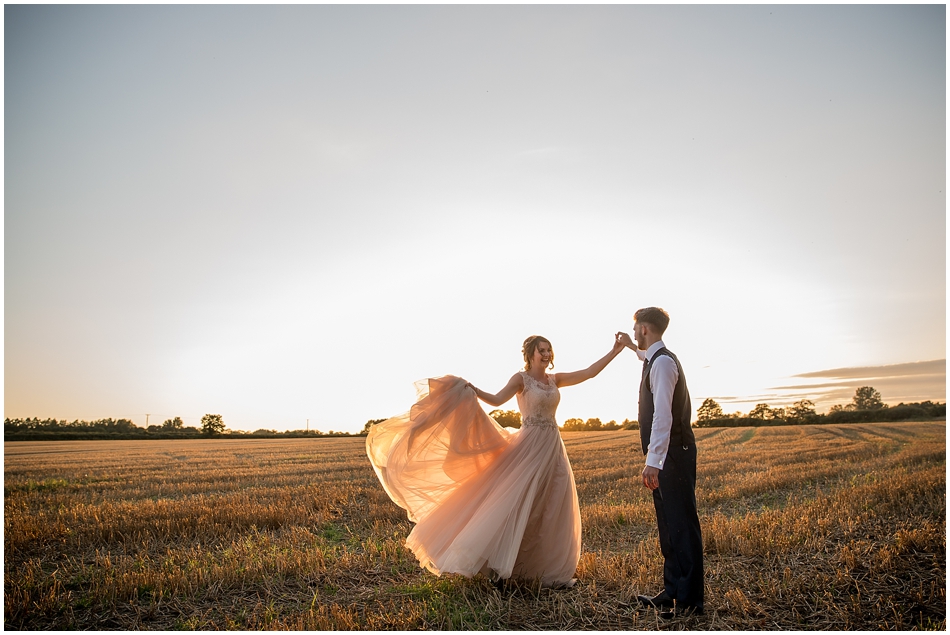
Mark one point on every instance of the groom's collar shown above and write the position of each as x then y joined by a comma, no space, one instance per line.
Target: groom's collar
654,348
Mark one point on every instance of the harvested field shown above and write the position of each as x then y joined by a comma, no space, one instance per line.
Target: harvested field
811,527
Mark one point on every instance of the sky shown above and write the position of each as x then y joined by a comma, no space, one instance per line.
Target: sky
288,215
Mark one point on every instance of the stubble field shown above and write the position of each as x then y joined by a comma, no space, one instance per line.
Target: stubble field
813,527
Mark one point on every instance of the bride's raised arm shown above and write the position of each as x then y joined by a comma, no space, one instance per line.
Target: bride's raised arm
514,386
578,376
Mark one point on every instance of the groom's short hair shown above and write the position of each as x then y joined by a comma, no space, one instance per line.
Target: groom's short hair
655,317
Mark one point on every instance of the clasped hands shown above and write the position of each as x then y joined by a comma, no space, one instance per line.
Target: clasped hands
624,339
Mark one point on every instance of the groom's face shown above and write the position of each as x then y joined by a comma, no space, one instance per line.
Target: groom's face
640,334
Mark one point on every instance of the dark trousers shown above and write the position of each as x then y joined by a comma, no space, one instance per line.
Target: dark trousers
681,539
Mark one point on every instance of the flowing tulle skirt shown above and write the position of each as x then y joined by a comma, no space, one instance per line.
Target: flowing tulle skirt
483,498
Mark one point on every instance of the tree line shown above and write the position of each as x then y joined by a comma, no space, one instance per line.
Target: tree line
212,425
512,419
865,407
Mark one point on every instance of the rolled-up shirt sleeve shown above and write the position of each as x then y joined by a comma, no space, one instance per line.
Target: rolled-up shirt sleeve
663,377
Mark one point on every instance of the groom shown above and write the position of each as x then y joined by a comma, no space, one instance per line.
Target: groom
670,471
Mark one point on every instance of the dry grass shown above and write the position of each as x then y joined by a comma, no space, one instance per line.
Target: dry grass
816,527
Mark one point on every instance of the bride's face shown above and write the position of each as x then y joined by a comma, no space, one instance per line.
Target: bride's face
542,356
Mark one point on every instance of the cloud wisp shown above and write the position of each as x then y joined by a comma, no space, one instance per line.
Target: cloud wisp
910,369
908,382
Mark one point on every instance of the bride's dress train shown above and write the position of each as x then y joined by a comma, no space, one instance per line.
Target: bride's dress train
484,498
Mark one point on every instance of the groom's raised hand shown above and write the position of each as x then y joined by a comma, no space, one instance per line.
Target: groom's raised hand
625,339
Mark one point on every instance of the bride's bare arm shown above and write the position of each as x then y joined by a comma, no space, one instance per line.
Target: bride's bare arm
578,376
514,386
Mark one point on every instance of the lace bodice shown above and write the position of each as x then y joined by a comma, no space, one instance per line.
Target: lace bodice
538,401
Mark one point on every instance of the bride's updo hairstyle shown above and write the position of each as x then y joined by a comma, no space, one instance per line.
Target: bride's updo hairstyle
531,345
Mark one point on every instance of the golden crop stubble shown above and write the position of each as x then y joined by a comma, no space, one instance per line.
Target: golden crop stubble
177,517
800,523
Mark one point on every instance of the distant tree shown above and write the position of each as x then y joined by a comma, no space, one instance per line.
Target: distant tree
836,408
114,426
778,413
802,409
369,424
630,424
866,398
709,410
506,418
212,424
573,425
761,411
173,424
591,425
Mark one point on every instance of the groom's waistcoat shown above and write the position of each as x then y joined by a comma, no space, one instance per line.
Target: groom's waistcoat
681,432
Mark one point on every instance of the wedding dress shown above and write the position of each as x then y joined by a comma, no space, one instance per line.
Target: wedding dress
484,498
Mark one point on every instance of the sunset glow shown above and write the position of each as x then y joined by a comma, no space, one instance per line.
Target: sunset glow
290,214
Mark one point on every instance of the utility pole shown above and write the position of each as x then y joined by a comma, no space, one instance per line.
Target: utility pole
146,419
308,425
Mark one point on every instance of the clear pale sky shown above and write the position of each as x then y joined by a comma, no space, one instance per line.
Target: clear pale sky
287,213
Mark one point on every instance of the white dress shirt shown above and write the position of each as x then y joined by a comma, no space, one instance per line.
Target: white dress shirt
663,378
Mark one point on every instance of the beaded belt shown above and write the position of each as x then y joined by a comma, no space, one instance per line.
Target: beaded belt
540,421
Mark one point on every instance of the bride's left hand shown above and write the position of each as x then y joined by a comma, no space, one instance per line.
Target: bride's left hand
618,344
624,339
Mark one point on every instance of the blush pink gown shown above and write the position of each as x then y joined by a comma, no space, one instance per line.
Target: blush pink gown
484,498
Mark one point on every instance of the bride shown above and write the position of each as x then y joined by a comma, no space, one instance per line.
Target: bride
487,499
